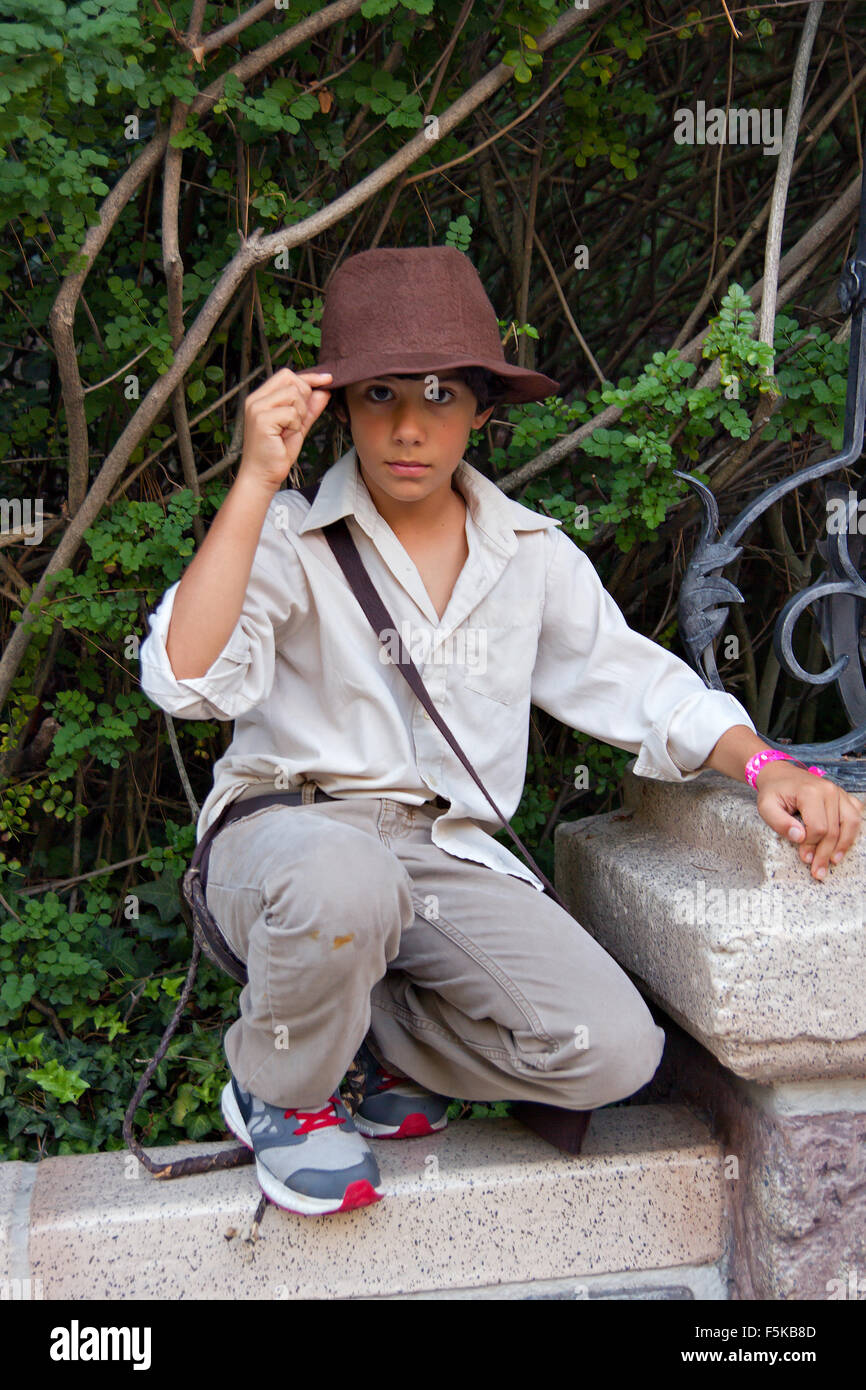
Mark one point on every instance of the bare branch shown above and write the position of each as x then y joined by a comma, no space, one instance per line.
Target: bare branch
173,268
783,174
195,22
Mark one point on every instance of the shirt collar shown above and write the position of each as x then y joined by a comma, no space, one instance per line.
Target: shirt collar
343,492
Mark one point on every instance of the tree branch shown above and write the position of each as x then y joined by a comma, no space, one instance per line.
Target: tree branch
783,174
172,263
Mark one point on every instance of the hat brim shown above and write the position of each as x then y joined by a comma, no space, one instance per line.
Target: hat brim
523,385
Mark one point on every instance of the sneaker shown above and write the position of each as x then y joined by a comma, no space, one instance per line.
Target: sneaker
393,1106
312,1162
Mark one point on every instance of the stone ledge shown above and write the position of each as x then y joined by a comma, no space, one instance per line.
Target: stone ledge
840,1096
686,1282
718,921
484,1203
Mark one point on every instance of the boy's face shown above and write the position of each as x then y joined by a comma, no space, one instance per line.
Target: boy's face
392,419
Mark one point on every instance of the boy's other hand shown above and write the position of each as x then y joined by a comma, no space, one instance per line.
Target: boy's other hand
831,817
277,419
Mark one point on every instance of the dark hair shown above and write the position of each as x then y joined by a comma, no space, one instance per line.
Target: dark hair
487,387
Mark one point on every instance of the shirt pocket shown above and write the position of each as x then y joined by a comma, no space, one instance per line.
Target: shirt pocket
504,672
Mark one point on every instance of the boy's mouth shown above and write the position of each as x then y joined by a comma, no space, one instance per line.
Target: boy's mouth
407,466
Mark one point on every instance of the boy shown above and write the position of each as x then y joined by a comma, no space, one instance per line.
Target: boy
375,912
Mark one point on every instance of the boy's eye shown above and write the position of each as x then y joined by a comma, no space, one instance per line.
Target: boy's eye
444,391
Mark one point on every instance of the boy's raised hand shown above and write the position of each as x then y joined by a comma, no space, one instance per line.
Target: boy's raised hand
277,419
831,817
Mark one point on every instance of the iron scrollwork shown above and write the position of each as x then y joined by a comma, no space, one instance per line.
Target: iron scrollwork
839,594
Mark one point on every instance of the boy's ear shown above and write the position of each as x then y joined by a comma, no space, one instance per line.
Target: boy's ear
481,419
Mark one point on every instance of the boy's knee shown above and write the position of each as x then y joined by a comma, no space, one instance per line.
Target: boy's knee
632,1057
619,1055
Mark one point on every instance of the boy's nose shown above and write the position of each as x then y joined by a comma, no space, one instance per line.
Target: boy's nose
407,421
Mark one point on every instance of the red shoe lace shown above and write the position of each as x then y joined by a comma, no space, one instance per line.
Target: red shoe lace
316,1119
388,1079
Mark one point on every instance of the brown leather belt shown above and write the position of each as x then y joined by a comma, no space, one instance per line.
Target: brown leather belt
245,806
239,808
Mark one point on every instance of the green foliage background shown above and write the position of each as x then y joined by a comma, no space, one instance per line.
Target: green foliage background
90,970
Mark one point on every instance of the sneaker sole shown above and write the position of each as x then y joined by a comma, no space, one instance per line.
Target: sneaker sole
412,1127
357,1194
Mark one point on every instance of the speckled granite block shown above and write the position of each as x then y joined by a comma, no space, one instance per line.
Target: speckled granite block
484,1202
718,921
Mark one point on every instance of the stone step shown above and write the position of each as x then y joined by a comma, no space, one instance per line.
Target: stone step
719,923
483,1203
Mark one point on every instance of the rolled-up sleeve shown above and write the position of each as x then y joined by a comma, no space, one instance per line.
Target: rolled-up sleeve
597,675
242,675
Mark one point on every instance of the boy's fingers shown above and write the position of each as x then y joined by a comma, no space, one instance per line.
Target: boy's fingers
273,385
850,820
832,826
294,416
282,417
824,846
831,820
311,381
296,411
285,383
317,403
773,810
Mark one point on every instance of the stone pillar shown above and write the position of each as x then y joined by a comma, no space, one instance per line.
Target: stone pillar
761,974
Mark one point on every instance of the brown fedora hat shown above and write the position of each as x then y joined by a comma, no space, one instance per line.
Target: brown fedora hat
395,311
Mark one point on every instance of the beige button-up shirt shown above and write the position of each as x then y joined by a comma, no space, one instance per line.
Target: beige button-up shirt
314,695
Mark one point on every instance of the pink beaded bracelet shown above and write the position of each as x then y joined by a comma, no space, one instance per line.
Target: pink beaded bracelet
770,755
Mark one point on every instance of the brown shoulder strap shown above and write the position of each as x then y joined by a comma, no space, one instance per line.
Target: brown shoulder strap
346,552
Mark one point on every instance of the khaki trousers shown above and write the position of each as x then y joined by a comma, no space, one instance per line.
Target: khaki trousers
471,982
